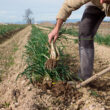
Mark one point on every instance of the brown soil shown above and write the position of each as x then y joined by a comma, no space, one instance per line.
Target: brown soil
98,90
18,95
60,95
46,24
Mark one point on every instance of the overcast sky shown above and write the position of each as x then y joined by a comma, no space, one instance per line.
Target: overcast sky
44,10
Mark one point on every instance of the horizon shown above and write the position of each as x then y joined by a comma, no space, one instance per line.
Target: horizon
51,21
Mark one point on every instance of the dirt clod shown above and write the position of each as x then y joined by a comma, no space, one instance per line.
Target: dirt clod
64,92
51,64
15,94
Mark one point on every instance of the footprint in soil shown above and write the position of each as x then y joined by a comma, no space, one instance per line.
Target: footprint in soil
15,94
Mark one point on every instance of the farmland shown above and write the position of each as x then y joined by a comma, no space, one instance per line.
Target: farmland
25,54
36,59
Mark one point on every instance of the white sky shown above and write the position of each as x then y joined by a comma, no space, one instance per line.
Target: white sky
13,10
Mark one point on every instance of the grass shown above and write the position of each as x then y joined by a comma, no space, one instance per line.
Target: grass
102,39
4,105
4,29
5,63
68,31
93,93
36,50
15,48
7,59
71,31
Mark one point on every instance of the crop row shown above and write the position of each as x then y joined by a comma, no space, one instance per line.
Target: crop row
36,50
5,29
100,39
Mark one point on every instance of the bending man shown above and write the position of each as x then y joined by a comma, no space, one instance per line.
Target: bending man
93,15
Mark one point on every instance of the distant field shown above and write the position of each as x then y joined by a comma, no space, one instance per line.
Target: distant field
104,28
102,36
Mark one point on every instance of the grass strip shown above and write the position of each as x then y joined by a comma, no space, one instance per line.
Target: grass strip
68,31
5,29
102,39
36,50
63,30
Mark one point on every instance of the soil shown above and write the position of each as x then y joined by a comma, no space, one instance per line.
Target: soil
98,90
46,24
15,95
20,95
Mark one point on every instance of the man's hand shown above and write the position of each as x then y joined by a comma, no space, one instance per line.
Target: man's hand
105,1
53,35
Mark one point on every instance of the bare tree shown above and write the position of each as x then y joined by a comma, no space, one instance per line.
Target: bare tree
28,16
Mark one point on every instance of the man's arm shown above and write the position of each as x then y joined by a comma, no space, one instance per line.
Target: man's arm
69,6
64,13
55,32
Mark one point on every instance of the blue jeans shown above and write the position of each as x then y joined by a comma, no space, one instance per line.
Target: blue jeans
90,22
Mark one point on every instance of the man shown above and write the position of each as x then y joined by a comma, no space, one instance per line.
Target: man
94,14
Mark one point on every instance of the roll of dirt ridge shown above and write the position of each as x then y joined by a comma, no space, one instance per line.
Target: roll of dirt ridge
8,35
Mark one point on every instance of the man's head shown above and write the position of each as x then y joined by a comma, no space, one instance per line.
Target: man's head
105,1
